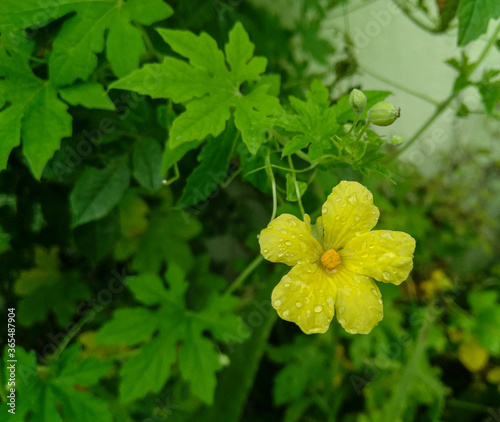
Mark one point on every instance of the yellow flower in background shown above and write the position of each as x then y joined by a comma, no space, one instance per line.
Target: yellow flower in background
334,262
473,356
436,284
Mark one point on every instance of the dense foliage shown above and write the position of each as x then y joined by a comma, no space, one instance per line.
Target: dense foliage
145,145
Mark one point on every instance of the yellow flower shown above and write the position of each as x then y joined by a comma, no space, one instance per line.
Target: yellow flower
473,356
437,283
334,262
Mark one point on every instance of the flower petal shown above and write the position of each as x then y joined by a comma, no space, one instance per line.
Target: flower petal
359,302
384,255
289,240
306,296
347,212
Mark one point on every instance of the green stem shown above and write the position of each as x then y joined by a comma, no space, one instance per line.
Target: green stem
399,86
281,168
74,331
410,16
270,173
443,105
297,190
176,176
396,406
244,275
354,124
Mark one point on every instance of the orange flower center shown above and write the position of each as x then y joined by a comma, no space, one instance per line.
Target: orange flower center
330,259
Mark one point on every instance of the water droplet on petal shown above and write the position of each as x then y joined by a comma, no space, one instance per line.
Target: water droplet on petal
277,303
318,309
288,243
292,236
386,275
298,304
292,222
324,210
337,217
299,261
365,255
371,246
374,292
308,313
341,310
287,284
265,251
356,218
338,199
286,313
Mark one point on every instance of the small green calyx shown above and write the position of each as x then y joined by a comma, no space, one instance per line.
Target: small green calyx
357,101
383,114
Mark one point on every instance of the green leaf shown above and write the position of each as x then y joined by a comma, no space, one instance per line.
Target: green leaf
81,37
48,393
148,370
485,308
35,112
209,88
147,288
212,170
128,325
314,120
45,288
173,155
147,161
198,364
87,94
97,192
165,240
295,144
198,358
490,94
473,18
291,191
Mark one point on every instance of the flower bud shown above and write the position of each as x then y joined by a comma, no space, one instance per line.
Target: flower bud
357,101
396,140
383,114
